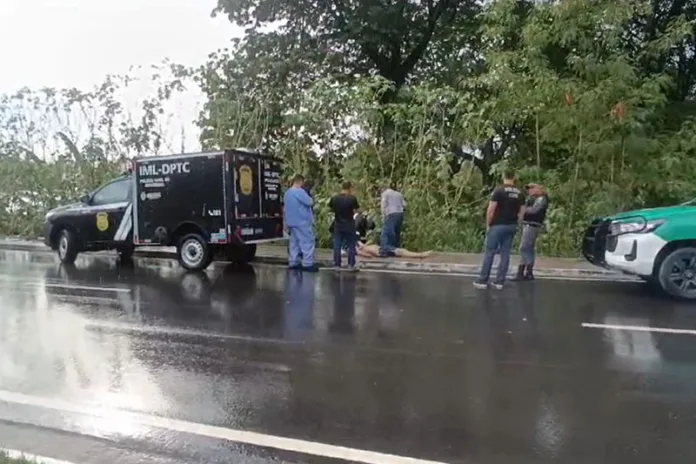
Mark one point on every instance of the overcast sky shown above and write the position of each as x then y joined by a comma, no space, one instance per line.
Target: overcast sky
75,43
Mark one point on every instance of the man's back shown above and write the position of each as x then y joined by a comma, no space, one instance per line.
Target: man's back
392,202
344,206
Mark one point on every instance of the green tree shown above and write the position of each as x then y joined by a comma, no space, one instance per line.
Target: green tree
55,144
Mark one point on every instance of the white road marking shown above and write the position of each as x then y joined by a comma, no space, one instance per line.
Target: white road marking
237,436
85,287
53,284
639,328
155,330
15,454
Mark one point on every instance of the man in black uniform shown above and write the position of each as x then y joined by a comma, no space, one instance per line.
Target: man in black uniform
534,215
344,206
505,211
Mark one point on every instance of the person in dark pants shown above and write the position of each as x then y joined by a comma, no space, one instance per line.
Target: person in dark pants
363,225
505,211
344,206
392,205
534,215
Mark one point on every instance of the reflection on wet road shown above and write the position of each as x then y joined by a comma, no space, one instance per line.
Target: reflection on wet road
409,365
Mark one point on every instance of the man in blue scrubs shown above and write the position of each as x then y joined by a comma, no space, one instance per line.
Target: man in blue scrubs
299,219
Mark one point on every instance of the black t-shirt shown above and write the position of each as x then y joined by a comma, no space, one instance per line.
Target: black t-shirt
509,199
344,206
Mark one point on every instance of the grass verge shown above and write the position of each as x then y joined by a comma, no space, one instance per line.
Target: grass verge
5,459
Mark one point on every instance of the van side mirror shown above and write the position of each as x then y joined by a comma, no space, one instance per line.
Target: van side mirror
84,199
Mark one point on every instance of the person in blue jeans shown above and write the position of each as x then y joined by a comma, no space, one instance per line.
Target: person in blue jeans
505,211
299,219
392,205
344,206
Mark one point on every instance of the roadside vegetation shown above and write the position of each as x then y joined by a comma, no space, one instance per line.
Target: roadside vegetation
593,99
5,459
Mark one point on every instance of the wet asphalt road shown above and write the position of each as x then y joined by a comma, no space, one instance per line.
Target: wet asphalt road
412,365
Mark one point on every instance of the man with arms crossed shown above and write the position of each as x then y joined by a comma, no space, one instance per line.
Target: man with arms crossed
505,211
534,215
299,219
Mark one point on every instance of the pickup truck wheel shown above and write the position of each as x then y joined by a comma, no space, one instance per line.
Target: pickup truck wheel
67,247
193,252
677,274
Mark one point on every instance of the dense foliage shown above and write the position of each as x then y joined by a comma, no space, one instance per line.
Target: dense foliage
592,98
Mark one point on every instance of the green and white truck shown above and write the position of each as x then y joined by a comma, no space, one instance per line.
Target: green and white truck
658,245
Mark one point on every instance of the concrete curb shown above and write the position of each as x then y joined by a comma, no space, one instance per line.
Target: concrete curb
385,265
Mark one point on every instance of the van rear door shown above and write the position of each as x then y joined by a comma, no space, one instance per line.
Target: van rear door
258,208
271,203
247,186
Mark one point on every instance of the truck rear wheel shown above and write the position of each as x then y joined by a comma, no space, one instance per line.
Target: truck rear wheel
67,246
193,252
241,254
677,273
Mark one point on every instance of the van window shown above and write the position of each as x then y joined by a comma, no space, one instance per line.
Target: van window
115,192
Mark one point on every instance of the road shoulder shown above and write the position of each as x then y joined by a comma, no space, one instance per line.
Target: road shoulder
440,263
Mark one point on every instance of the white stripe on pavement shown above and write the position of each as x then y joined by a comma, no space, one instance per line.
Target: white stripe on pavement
159,330
15,454
85,287
237,436
639,328
35,283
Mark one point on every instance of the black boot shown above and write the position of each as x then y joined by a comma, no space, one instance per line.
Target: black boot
520,273
529,275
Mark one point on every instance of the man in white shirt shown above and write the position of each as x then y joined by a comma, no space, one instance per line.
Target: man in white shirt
392,205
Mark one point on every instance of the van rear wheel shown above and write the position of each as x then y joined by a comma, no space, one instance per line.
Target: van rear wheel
677,273
193,252
67,247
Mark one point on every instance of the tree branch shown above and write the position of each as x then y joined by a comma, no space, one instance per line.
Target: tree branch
434,14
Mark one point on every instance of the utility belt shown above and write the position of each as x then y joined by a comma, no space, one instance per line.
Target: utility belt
532,224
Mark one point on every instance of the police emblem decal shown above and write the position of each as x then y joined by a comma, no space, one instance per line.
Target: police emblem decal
246,180
102,222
